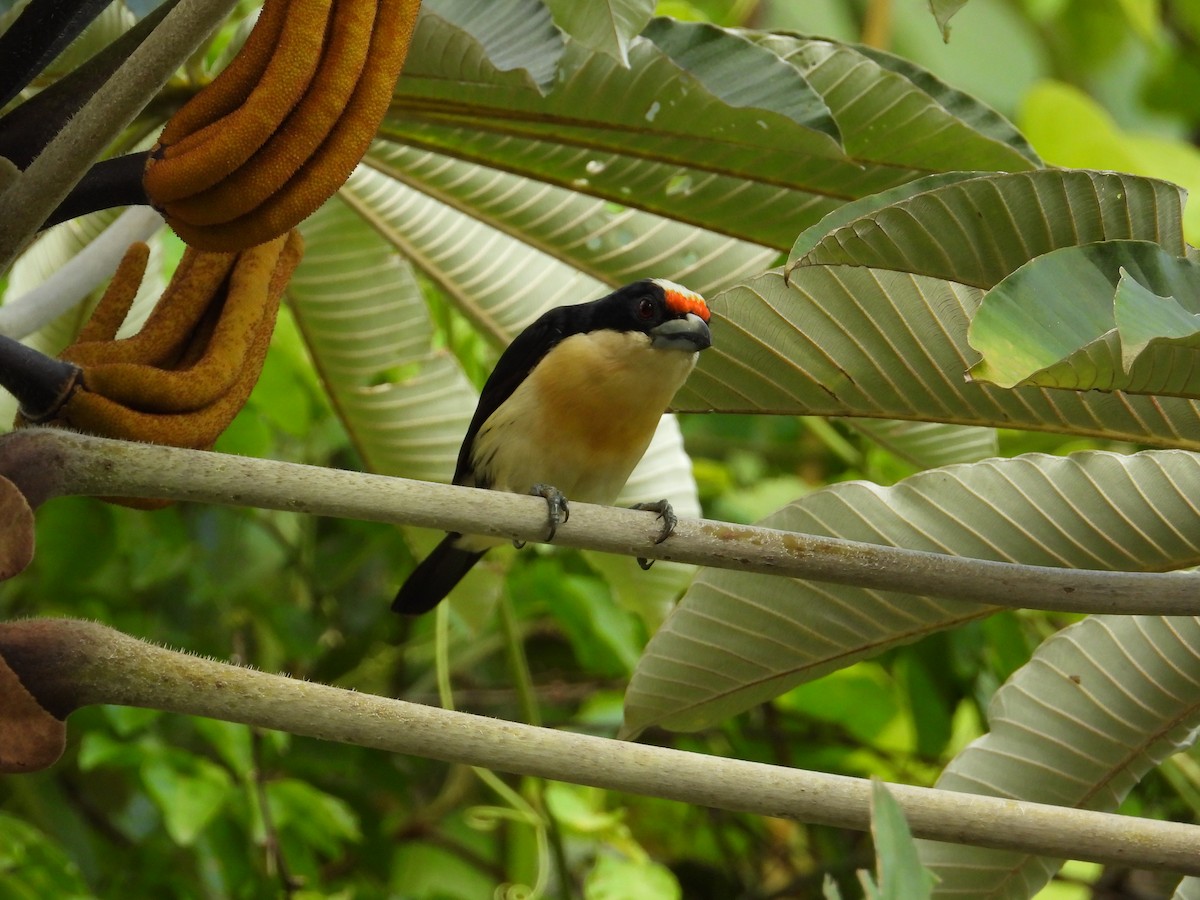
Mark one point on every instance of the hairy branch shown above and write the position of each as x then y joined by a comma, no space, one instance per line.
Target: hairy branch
32,196
66,664
49,462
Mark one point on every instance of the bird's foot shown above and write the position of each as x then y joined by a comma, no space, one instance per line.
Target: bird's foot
556,504
669,520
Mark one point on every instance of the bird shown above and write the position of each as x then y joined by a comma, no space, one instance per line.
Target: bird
568,412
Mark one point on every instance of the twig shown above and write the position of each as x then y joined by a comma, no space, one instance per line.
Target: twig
49,462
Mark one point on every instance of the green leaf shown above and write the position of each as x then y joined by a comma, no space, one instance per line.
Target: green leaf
33,867
901,875
669,145
738,639
979,230
851,341
865,206
742,73
1071,129
1100,704
604,25
513,34
967,108
943,11
572,246
232,742
859,698
581,809
189,792
1143,319
1113,316
614,878
928,445
322,821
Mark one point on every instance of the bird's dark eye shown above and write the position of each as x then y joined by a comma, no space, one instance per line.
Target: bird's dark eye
645,310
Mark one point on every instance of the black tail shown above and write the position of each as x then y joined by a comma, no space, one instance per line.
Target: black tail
434,578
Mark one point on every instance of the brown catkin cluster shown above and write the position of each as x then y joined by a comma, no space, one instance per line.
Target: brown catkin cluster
281,128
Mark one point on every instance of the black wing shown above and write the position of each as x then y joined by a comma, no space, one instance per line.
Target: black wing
514,365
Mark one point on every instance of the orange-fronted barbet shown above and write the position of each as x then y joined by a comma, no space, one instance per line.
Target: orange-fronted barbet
568,411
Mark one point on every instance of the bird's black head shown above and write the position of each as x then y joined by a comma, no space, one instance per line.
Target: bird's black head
674,317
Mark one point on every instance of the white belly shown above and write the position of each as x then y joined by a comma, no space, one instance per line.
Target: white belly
583,418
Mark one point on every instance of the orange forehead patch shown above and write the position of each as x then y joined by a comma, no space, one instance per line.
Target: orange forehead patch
681,301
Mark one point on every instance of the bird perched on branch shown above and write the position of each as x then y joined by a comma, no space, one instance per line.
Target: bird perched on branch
568,411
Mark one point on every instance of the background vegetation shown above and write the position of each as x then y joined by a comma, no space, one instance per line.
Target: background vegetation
147,804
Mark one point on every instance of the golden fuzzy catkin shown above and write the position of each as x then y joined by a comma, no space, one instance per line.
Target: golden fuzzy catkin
184,376
281,135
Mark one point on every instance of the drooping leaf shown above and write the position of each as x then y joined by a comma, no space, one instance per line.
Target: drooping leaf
739,639
607,25
943,11
978,231
742,73
1100,704
851,341
515,35
1119,315
965,107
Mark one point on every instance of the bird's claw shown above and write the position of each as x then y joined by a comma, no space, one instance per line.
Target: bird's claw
669,520
556,503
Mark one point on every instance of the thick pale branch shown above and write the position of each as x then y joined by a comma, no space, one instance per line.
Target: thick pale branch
66,664
49,462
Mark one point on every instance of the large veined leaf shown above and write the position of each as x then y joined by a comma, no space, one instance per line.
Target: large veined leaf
613,245
519,34
852,341
719,59
606,25
979,230
1100,704
1121,315
942,113
863,207
671,140
404,404
961,105
928,445
739,639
